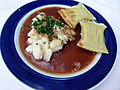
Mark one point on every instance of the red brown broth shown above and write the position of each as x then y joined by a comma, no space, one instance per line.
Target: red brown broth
62,62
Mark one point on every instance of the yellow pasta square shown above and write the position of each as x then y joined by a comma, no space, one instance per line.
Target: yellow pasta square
92,37
73,15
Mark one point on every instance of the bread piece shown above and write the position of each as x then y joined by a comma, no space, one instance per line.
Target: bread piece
92,37
73,15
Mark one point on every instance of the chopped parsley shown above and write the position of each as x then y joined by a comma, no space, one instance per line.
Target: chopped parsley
48,27
44,42
60,24
56,36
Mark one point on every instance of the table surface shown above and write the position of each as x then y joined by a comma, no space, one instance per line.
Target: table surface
109,9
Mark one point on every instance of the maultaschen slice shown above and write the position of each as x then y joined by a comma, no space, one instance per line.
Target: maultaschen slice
74,14
92,37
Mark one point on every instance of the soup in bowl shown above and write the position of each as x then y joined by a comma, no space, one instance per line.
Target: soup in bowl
67,60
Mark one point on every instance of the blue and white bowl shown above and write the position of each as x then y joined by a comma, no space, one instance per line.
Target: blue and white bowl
38,79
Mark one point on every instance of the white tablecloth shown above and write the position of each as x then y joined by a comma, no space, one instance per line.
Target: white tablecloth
109,9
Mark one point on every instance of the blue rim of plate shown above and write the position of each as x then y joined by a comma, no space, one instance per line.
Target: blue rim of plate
38,81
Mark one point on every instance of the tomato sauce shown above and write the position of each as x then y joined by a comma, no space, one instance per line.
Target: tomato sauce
68,60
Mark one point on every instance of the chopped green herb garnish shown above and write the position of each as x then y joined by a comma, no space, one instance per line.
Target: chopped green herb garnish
41,14
48,17
51,34
38,19
48,27
60,24
31,24
44,42
56,36
49,38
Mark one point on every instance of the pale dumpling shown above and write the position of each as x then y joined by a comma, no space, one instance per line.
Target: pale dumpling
56,45
29,49
37,51
47,54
